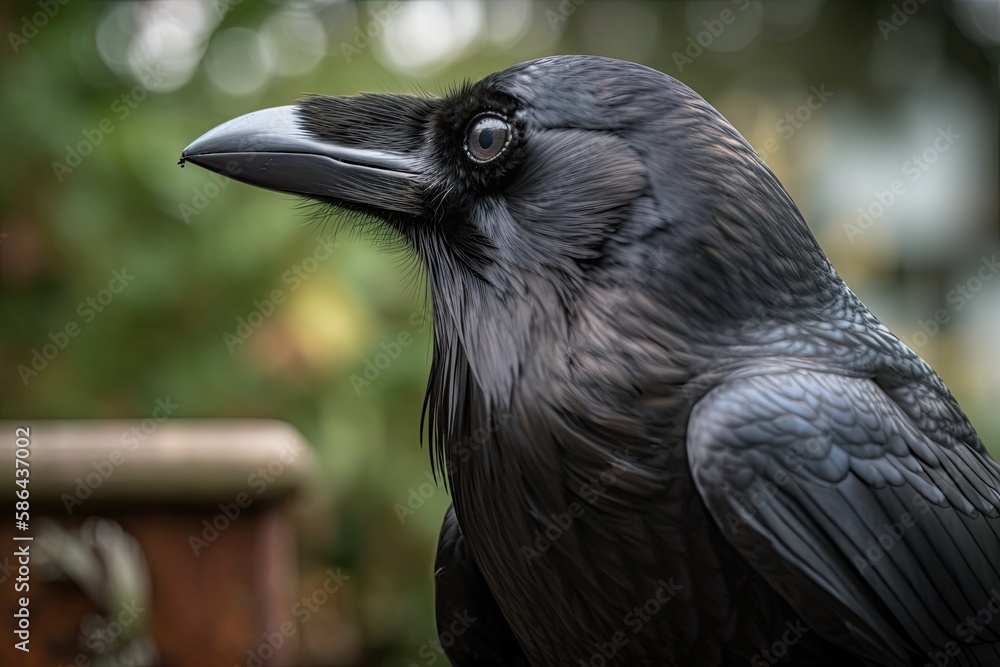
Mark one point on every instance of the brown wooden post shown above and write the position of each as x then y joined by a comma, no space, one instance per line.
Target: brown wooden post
166,541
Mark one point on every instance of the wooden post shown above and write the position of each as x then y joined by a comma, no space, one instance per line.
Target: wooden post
153,543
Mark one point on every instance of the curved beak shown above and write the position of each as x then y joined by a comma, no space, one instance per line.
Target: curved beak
273,149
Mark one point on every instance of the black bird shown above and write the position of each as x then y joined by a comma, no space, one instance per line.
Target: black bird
672,434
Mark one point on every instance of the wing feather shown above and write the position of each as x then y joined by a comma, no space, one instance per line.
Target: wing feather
880,528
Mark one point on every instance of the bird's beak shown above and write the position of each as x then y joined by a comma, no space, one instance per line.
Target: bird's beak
272,149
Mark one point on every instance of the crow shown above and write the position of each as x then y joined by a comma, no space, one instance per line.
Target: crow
672,434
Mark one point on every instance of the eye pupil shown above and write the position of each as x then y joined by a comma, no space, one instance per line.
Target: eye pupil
487,137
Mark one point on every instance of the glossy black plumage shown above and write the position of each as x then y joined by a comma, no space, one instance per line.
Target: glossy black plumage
670,430
473,629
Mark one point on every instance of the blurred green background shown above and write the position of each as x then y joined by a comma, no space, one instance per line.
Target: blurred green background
98,99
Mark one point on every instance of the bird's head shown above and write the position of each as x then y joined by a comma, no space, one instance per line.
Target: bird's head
527,191
565,170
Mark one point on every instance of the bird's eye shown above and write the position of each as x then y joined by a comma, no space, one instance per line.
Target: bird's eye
487,137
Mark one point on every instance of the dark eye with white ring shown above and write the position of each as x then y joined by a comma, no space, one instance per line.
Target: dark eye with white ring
487,137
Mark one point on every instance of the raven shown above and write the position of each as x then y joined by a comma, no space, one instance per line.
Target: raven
672,434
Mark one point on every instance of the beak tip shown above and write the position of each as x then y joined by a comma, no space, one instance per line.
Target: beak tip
191,155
